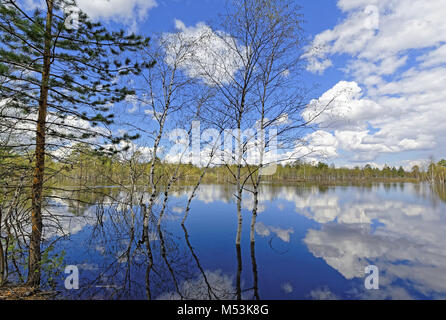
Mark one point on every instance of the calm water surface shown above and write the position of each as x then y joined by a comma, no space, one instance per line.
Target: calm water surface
310,243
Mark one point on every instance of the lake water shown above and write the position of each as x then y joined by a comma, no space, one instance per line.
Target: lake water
310,243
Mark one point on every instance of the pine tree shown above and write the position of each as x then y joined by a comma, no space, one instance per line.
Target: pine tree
54,78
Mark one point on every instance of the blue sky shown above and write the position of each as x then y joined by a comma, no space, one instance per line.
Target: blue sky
383,60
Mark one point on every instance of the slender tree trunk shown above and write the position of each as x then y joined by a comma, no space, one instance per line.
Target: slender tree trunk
239,272
254,215
166,261
253,243
252,235
2,261
146,240
239,210
239,186
36,214
211,293
254,271
153,185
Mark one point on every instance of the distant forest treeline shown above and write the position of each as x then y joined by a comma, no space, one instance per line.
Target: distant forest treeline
86,167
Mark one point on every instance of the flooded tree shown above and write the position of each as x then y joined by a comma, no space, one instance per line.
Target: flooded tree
253,61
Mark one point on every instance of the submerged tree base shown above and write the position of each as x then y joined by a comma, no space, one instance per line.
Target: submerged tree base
11,292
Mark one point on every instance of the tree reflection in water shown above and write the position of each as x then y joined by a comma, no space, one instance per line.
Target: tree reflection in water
339,230
135,246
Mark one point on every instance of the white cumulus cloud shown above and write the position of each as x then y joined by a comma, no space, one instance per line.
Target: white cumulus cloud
395,103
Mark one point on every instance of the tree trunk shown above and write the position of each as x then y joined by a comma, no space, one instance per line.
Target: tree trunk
254,215
239,272
239,214
2,261
36,214
239,186
254,271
